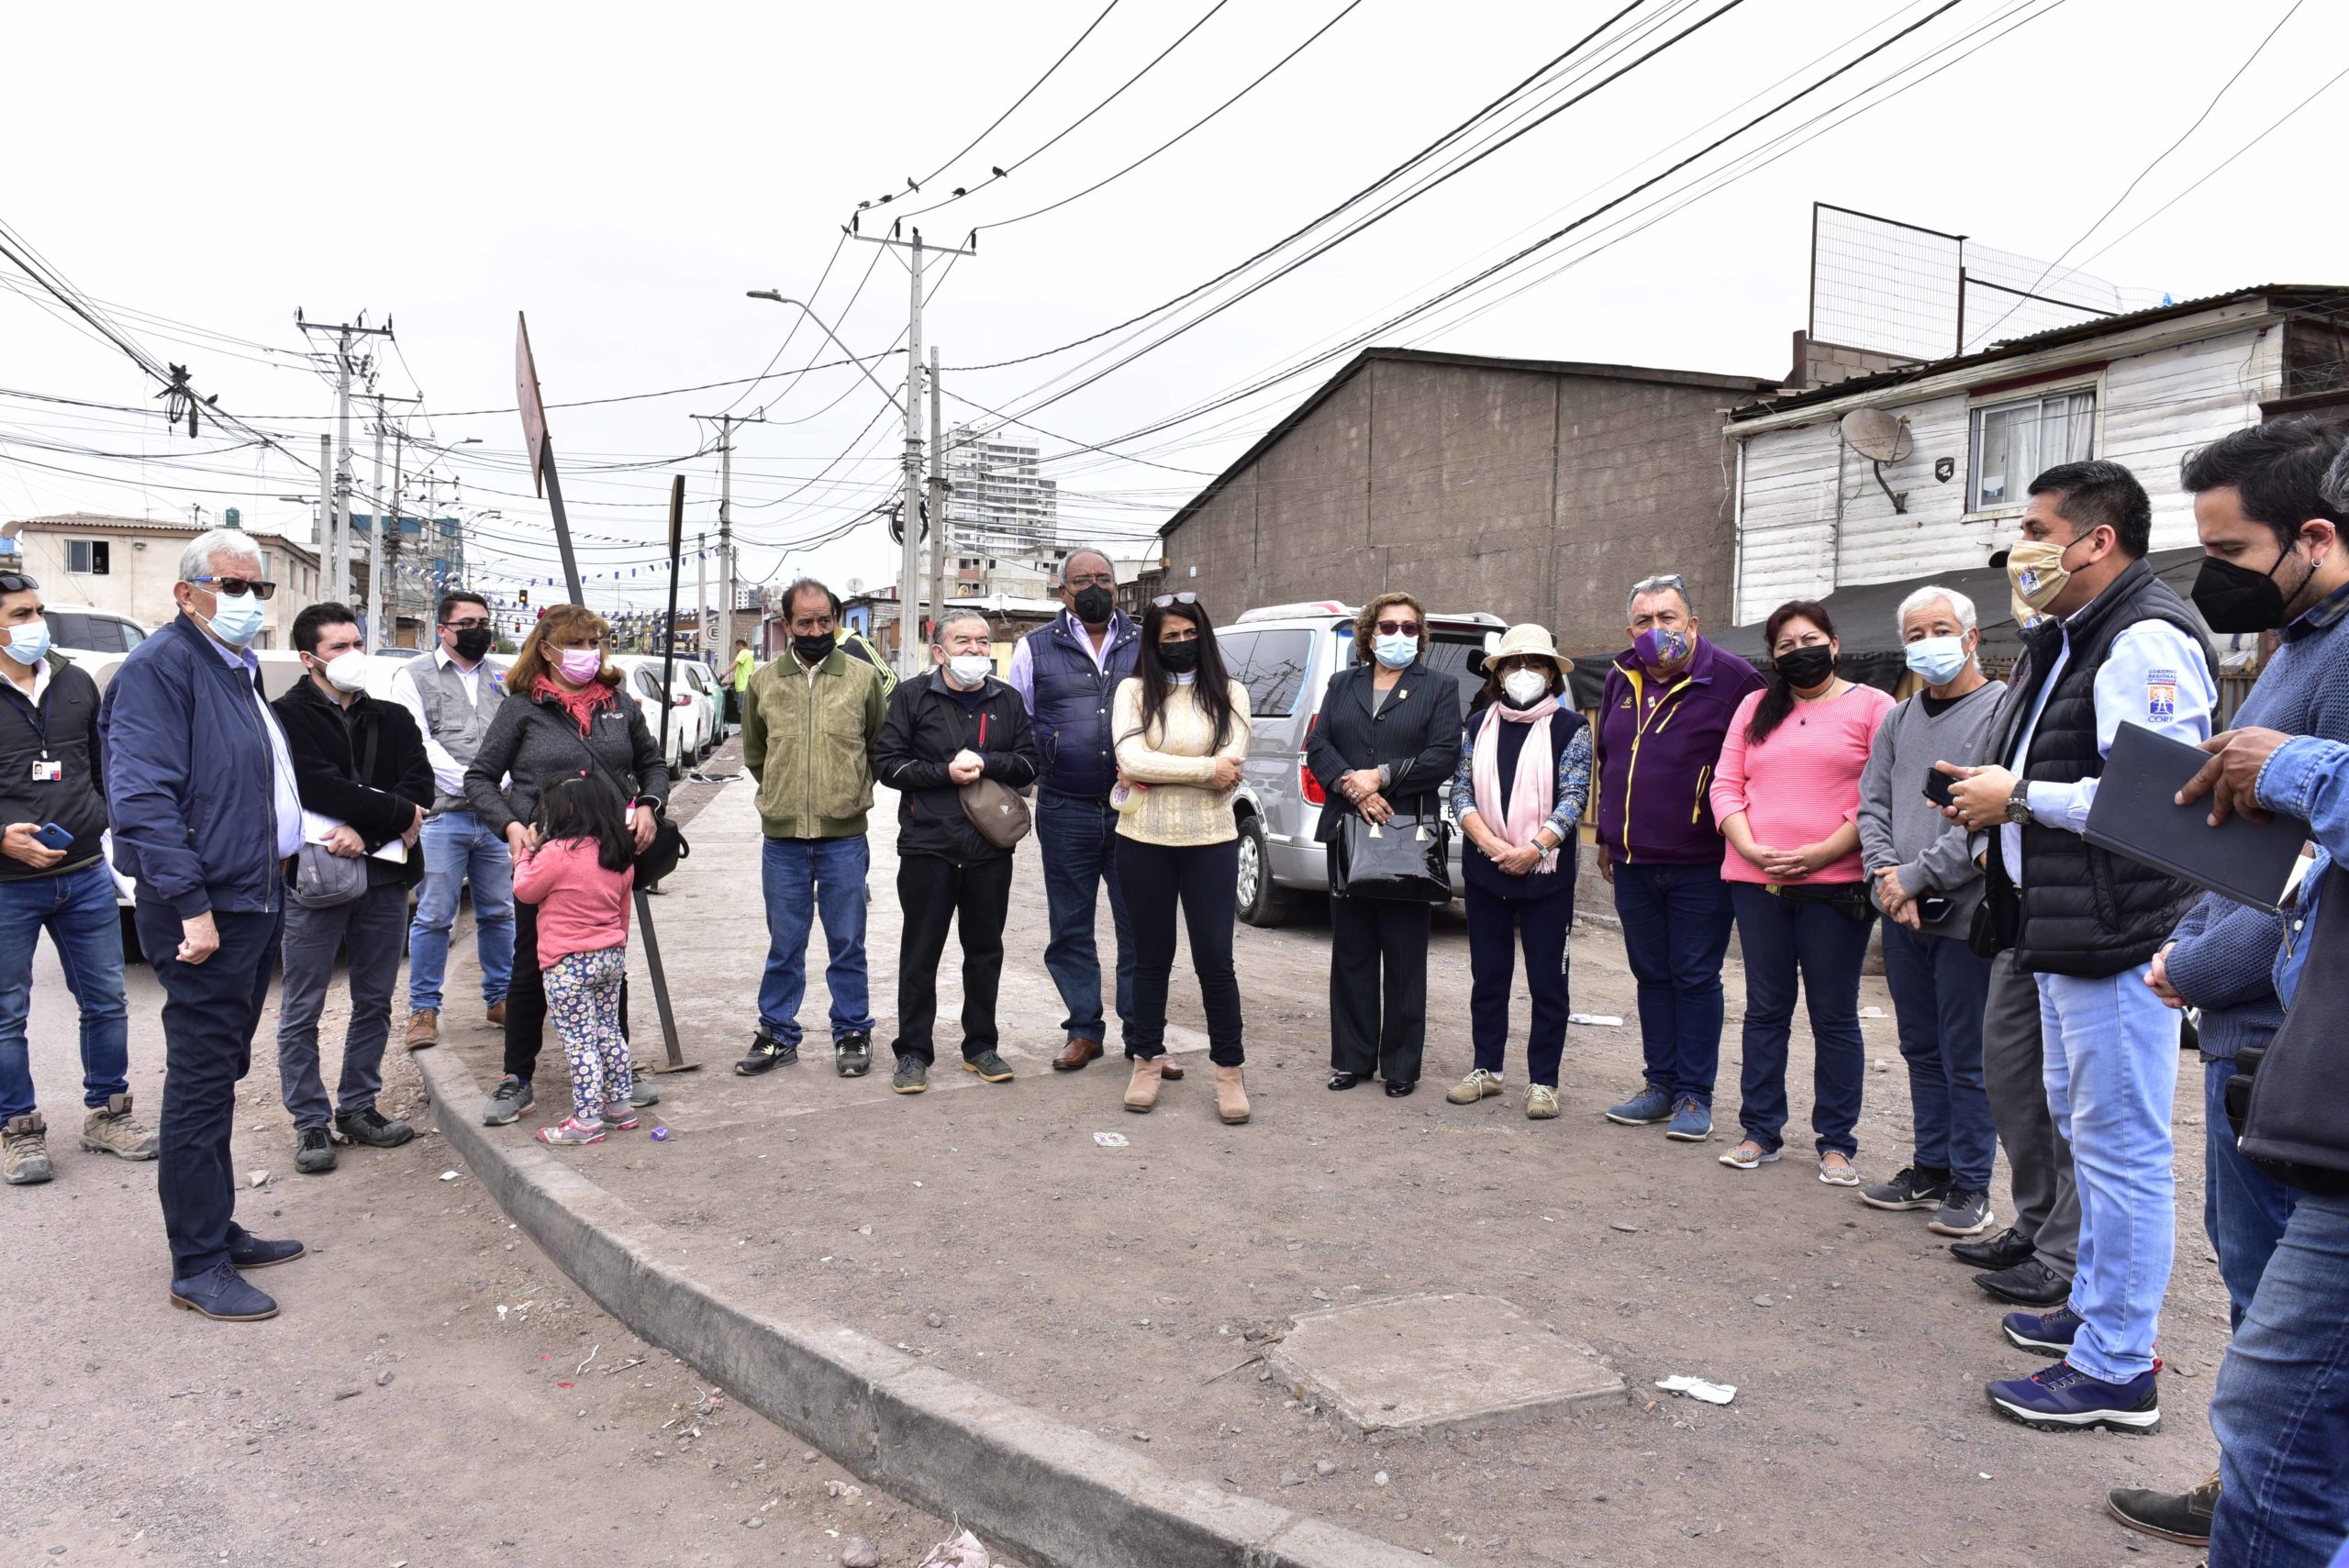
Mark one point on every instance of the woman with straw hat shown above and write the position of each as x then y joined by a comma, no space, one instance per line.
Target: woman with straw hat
1523,779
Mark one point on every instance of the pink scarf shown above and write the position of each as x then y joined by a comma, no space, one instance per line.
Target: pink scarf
1532,791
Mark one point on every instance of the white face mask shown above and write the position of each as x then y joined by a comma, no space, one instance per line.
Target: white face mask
344,671
1525,687
970,668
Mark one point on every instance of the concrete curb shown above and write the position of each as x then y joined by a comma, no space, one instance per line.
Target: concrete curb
1054,1494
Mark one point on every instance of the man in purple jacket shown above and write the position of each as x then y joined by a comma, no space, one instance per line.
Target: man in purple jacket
1668,703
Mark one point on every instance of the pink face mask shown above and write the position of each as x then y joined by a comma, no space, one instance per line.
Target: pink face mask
580,665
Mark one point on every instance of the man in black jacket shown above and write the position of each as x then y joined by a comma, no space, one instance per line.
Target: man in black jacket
365,785
949,728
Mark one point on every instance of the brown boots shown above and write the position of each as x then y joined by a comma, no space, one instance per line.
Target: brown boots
111,1130
1142,1090
1149,1072
23,1151
424,1027
1231,1095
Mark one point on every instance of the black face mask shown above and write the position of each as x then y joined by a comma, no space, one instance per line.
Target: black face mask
1806,667
813,650
1095,604
2237,599
1181,658
473,642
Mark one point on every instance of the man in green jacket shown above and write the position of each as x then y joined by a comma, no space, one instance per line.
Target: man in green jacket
810,720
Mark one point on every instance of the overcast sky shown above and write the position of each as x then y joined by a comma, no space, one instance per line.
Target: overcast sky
625,175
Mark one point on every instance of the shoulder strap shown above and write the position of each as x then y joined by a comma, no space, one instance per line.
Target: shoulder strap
627,794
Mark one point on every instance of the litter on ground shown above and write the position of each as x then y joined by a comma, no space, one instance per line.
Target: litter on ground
1697,1388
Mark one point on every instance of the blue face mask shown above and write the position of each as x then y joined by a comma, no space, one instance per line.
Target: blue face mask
1937,660
1397,651
28,641
236,619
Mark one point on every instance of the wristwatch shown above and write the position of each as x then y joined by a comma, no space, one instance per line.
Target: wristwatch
2018,803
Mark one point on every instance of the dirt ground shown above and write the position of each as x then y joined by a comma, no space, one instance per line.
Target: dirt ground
984,1228
435,1392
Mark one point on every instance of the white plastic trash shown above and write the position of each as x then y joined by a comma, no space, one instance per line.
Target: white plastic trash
1111,1139
1697,1388
1601,1020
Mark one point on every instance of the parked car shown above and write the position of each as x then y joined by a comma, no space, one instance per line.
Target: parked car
81,632
705,687
692,722
1284,655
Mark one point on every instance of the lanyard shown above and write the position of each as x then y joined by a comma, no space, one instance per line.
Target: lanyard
33,717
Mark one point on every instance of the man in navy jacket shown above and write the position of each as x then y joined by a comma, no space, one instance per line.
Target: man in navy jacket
201,795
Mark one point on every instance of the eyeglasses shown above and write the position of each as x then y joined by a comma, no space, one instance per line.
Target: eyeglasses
16,583
1093,580
468,624
233,586
1398,629
1165,600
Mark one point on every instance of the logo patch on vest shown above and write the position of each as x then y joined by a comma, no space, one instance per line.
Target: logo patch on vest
2161,694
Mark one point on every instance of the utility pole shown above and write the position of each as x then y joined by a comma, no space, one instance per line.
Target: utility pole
701,619
938,487
322,532
724,423
338,525
387,557
374,637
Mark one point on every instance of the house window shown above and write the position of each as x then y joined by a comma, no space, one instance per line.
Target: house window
2016,441
87,557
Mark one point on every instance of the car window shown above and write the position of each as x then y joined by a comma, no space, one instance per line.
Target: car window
133,634
1452,654
1237,647
68,630
648,685
1277,670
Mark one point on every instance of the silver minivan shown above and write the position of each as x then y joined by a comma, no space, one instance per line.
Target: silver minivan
1284,655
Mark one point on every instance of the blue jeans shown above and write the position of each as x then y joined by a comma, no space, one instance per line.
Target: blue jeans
1077,837
78,910
459,848
1783,939
2112,1067
1676,934
806,879
1938,989
2244,1208
2281,1412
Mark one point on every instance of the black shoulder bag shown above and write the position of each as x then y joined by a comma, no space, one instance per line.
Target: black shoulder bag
658,859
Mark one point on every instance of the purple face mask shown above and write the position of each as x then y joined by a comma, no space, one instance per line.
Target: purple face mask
1658,647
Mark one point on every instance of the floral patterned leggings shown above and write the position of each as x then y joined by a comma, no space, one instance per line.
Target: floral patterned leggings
583,1002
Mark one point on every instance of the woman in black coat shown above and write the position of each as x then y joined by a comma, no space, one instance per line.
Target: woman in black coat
1385,746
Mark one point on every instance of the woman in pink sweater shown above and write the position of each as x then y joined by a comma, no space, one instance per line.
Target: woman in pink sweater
578,866
1786,794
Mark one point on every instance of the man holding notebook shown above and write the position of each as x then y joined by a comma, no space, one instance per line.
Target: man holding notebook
2114,646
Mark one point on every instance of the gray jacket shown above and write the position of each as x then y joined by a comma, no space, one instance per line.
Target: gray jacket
1900,828
531,742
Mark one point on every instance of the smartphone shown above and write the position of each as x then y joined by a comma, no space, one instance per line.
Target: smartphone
1933,908
1937,787
53,837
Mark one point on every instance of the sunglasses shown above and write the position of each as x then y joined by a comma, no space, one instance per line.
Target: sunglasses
1165,600
1398,629
16,583
253,585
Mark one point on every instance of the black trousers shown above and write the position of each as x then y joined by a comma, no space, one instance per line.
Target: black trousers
526,996
1496,928
210,1011
1204,880
1379,986
935,893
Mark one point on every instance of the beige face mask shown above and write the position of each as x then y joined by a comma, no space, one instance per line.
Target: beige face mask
2036,572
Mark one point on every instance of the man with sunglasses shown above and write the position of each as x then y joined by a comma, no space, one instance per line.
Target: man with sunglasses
53,877
1066,674
201,795
452,696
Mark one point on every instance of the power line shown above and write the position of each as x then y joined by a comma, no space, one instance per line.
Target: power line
1023,97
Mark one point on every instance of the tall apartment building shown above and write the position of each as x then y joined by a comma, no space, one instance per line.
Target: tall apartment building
998,503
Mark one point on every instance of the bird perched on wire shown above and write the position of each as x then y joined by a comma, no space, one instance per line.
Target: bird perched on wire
999,173
960,192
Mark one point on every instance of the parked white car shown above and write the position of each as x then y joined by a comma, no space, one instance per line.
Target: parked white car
691,725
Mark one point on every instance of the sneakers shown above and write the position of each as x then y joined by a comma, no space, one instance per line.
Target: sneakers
1541,1102
912,1076
2181,1517
1911,1187
372,1128
2064,1398
619,1115
1966,1212
1749,1155
1477,1085
852,1055
1835,1168
765,1053
1692,1120
506,1107
111,1130
313,1151
1647,1107
641,1092
2041,1331
221,1293
1231,1097
423,1027
571,1131
23,1151
990,1067
1141,1089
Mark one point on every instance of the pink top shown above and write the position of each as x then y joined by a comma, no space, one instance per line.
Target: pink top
581,907
1801,783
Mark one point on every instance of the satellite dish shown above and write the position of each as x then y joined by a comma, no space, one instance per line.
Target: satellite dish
1881,436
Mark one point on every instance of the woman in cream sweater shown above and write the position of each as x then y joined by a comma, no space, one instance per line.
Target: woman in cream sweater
1181,729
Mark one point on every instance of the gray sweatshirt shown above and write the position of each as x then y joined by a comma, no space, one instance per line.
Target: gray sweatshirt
1900,828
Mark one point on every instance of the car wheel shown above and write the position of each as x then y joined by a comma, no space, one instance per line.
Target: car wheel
1260,902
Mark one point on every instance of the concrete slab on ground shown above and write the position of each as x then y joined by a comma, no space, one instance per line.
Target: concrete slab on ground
1430,1361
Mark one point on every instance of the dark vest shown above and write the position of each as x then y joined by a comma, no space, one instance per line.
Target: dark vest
1073,701
2085,911
1478,869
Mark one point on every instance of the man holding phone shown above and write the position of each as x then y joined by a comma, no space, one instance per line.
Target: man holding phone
1923,878
53,877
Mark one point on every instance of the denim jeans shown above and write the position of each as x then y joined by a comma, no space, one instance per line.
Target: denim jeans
78,910
2281,1412
1077,837
459,848
805,880
1938,989
1676,933
369,926
1783,939
2244,1208
2111,1079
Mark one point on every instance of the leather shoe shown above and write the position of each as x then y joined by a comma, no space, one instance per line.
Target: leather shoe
1345,1080
247,1250
1168,1070
2003,1250
2029,1283
1075,1053
221,1293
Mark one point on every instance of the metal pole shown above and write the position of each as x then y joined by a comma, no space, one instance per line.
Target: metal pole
701,620
391,555
324,532
725,535
342,472
938,528
375,636
910,658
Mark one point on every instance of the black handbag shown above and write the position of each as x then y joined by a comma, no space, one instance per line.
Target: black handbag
658,859
1405,859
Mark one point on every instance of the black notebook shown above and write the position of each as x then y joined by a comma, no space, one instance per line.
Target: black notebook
2136,814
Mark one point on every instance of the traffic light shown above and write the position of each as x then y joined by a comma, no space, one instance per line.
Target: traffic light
524,597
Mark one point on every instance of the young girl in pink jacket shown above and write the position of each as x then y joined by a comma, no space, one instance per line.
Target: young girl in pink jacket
579,869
